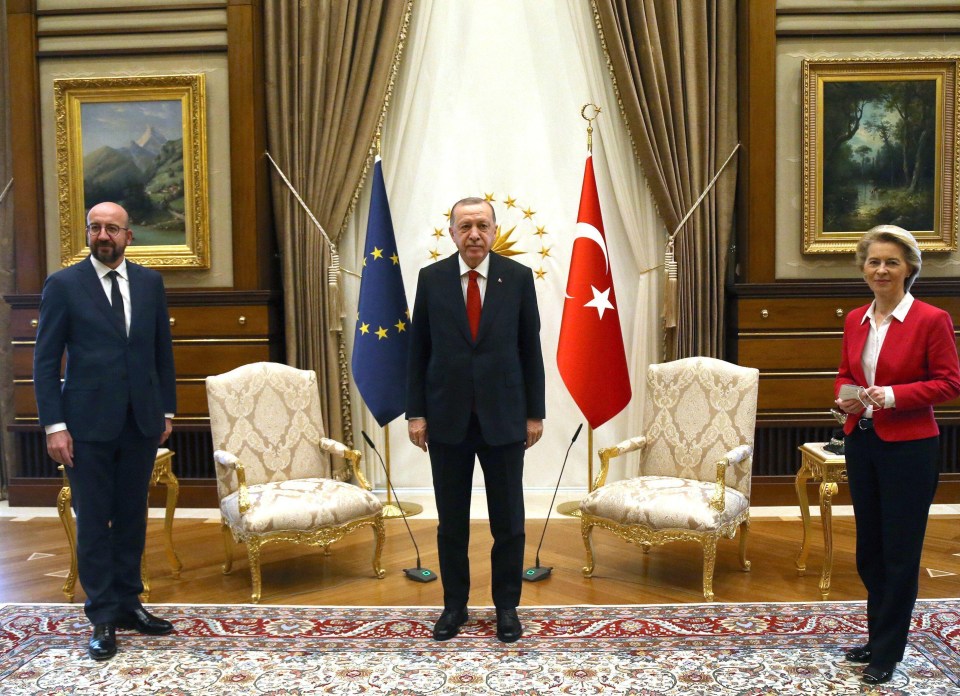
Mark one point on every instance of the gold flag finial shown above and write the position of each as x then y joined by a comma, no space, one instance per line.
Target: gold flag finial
590,120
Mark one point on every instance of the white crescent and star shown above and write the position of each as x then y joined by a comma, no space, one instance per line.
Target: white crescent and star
601,299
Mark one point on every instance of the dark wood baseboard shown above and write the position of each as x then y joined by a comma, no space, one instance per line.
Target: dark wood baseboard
202,493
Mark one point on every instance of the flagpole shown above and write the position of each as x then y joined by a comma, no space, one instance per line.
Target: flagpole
394,509
571,508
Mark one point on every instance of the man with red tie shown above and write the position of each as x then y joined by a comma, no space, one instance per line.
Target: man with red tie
476,391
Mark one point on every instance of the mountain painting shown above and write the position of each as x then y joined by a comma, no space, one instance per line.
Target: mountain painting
133,155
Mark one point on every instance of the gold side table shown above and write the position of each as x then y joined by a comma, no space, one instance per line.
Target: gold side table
830,469
162,473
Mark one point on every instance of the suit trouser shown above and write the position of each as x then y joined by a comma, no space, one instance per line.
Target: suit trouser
109,482
892,486
452,483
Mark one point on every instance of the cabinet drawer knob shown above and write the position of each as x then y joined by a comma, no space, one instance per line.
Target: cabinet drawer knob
839,313
34,323
764,313
242,320
173,321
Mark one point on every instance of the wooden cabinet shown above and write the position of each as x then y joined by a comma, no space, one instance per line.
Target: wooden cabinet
207,339
795,342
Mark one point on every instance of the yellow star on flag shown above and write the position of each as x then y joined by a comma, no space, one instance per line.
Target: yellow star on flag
395,258
401,326
376,253
381,332
364,328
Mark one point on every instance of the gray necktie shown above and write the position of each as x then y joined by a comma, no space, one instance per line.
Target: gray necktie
116,300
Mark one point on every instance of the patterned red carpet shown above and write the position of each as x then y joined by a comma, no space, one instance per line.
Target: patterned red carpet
743,649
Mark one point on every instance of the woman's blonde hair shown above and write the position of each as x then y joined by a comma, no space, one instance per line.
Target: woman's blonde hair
897,235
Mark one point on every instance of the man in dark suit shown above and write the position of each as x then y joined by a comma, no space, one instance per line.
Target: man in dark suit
114,408
476,390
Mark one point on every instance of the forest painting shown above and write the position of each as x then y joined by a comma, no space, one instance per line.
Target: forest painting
879,142
879,154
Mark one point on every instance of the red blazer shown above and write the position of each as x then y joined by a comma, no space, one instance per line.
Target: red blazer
918,359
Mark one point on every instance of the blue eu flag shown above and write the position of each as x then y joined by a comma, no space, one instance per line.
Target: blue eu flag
383,318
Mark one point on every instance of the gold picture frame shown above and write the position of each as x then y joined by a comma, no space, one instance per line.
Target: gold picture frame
141,142
880,144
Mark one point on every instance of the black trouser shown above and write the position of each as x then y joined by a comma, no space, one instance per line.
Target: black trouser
892,486
452,482
109,482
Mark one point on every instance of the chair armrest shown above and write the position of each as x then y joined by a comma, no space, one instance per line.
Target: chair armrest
230,461
351,455
737,455
608,453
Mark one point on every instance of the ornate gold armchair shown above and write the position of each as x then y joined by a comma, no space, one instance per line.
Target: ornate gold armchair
696,455
270,460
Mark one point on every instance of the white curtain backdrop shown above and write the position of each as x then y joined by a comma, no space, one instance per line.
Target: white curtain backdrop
488,101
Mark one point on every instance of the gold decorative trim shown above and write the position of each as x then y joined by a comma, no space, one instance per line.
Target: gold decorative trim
613,76
189,90
391,82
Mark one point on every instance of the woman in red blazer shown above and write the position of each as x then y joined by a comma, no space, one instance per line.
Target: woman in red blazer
900,357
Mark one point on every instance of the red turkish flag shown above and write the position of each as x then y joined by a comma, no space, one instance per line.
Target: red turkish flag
590,354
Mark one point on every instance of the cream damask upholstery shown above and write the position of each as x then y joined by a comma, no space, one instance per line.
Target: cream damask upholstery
272,464
696,457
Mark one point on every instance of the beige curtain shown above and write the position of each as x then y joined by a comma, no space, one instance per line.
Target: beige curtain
674,65
330,67
8,460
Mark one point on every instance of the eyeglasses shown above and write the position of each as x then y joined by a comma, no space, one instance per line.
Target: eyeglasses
113,230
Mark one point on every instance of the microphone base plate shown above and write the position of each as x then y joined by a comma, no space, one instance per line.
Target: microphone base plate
537,573
420,574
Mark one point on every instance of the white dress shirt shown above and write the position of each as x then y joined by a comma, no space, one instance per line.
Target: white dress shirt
871,349
483,268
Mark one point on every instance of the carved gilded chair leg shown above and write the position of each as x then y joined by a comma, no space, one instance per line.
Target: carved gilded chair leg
66,518
326,549
744,532
645,547
144,577
227,548
379,536
586,529
253,552
709,560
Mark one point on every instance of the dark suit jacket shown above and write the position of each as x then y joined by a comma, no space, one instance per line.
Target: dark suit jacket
918,359
501,374
106,370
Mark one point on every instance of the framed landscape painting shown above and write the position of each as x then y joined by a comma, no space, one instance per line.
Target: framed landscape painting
140,142
880,146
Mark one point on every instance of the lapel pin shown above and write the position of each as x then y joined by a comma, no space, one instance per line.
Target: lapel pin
499,280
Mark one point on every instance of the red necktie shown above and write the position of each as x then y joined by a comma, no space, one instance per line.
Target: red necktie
473,303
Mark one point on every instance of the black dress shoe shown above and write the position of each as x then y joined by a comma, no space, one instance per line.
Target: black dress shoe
862,654
876,675
508,625
449,623
103,642
143,621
